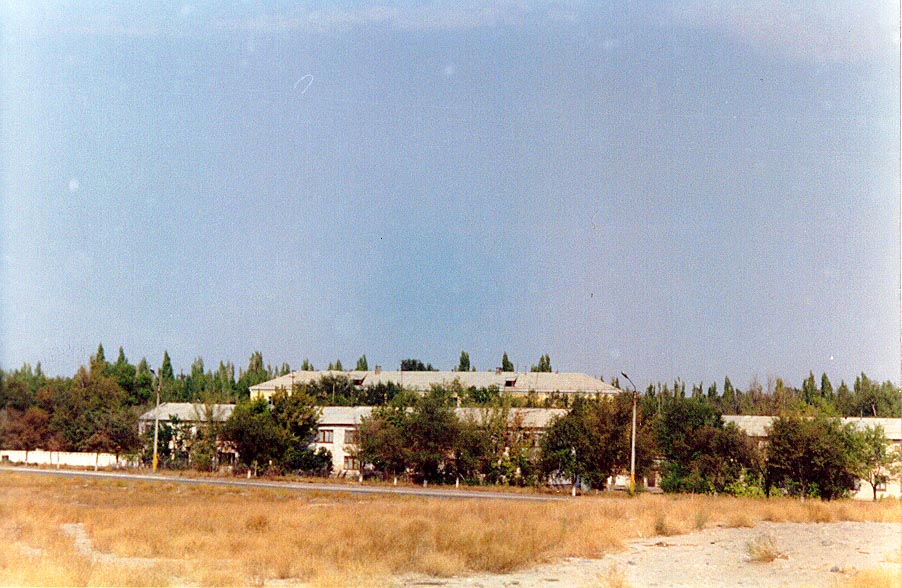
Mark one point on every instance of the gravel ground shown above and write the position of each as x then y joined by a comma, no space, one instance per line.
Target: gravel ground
810,554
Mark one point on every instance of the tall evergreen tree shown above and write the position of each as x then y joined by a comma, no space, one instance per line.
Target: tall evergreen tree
544,364
166,369
99,364
826,387
506,365
464,364
143,390
362,365
100,357
809,390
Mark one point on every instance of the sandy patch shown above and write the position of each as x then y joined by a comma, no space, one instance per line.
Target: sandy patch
808,554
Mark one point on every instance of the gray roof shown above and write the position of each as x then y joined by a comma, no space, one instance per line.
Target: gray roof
188,412
756,426
513,382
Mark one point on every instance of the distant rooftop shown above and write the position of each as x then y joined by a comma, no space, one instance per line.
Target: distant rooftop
517,383
188,412
756,426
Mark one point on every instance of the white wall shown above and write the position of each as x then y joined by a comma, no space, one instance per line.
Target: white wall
66,458
337,447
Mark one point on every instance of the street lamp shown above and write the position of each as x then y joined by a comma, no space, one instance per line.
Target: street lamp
156,420
633,440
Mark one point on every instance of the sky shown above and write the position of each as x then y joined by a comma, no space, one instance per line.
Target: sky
670,189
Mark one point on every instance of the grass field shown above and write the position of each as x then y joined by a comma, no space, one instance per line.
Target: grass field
77,532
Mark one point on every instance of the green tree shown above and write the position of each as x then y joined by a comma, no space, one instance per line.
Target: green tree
826,387
166,372
204,445
125,375
700,454
464,364
307,366
98,360
544,364
252,431
362,365
143,389
810,457
506,365
276,437
383,443
431,430
729,402
873,463
256,373
415,365
810,392
873,399
593,441
297,413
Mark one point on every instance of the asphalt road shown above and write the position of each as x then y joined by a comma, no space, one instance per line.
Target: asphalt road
298,486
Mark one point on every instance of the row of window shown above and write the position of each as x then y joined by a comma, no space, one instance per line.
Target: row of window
352,436
328,436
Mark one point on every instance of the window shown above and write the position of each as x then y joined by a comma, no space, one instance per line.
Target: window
352,436
324,436
880,485
351,463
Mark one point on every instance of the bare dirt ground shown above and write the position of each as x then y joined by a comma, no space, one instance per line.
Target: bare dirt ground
807,554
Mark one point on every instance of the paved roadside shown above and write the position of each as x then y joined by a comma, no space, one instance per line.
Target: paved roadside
298,486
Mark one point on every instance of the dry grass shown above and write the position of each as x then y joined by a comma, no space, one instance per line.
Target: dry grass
763,549
615,577
211,535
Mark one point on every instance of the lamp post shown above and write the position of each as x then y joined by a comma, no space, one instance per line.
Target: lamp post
156,421
632,440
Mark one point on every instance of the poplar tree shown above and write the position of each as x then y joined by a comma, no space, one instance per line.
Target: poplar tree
166,369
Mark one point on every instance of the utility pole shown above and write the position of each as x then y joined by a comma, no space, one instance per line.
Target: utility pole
633,440
156,421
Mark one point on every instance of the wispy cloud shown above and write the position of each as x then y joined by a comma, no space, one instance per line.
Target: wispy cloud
821,30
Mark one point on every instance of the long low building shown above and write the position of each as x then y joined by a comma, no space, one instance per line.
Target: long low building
541,384
338,425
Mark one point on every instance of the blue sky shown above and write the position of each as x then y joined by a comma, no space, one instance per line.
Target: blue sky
683,190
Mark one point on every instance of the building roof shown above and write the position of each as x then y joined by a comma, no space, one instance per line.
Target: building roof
188,412
756,426
513,382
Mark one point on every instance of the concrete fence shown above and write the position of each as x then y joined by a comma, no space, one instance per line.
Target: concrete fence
66,458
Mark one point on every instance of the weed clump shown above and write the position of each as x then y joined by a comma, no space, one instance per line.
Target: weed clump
763,549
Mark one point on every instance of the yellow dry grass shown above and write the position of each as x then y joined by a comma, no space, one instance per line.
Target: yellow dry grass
213,535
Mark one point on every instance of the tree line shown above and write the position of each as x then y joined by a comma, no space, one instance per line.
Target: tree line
97,408
807,455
